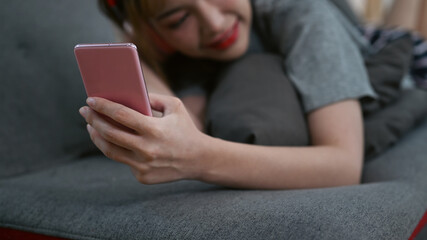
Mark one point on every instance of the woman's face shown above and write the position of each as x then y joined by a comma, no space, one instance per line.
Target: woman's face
214,29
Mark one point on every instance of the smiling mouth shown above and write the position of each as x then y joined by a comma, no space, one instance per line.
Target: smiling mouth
227,39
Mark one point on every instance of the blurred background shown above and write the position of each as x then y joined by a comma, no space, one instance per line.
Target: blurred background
409,14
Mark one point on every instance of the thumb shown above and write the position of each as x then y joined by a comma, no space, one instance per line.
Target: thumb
163,103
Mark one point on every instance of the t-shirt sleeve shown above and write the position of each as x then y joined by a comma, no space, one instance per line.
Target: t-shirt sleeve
319,55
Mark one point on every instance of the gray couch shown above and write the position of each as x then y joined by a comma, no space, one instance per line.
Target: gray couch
53,181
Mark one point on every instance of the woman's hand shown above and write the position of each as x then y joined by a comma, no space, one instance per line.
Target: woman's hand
158,150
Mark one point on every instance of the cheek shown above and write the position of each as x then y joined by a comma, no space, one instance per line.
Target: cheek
185,39
245,9
241,6
231,4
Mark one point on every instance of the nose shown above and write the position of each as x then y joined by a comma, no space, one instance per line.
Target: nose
212,18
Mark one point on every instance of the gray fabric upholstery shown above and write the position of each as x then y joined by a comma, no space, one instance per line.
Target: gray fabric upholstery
41,88
96,198
49,184
255,102
422,235
386,70
387,126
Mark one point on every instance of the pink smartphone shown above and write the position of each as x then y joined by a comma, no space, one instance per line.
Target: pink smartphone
113,71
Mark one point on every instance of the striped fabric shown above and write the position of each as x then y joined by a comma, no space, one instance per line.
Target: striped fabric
380,37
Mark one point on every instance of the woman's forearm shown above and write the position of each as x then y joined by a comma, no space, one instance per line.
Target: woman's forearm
260,167
156,85
170,148
423,19
404,14
335,159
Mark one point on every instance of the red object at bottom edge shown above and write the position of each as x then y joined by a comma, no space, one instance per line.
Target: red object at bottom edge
12,234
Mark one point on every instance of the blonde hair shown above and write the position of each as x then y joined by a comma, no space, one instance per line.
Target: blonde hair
137,15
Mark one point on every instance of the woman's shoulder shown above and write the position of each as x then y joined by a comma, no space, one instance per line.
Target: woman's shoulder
287,16
283,21
320,48
298,8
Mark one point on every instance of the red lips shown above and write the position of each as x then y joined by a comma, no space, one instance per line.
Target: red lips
226,39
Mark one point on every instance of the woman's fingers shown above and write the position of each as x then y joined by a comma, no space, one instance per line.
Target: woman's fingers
110,131
119,113
111,150
157,114
155,176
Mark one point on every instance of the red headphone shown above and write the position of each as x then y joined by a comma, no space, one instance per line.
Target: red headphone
160,43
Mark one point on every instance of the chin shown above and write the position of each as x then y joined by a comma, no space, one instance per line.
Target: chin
234,52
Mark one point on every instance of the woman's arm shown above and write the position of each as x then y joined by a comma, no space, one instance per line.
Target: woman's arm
411,15
335,158
404,14
423,19
170,148
194,104
154,83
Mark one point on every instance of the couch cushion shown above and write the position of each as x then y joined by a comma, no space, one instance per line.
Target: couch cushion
97,198
387,126
41,88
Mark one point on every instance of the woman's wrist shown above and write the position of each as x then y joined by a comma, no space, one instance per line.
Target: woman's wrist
200,160
196,121
212,160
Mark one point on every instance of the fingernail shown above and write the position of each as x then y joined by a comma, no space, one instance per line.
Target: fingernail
83,111
90,102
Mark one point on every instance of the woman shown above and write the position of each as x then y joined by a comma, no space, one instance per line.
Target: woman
318,46
409,15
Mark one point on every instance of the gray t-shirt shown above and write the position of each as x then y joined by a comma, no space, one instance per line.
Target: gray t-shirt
323,52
